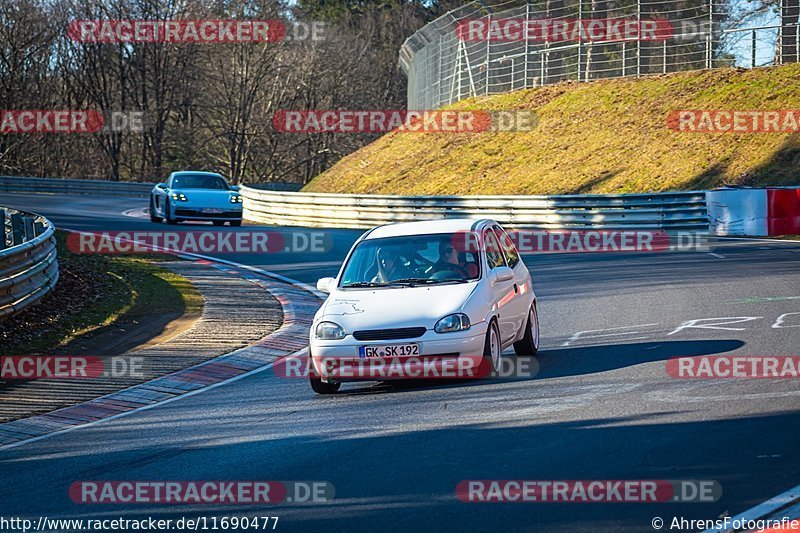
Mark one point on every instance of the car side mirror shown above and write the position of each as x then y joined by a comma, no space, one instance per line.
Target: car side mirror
325,284
162,186
234,187
502,273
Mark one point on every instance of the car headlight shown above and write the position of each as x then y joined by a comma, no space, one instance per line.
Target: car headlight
236,199
329,331
450,323
179,197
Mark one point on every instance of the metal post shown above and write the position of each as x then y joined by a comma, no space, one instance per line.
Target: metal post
638,41
623,59
664,52
525,68
710,37
439,74
753,51
580,41
488,63
17,229
2,229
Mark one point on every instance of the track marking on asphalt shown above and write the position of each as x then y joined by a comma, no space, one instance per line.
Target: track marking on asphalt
763,509
577,336
718,256
149,406
139,212
696,324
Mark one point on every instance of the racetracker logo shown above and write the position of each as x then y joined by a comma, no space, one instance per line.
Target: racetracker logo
384,121
71,121
202,492
734,366
202,242
731,121
176,31
563,30
27,367
387,368
588,491
582,241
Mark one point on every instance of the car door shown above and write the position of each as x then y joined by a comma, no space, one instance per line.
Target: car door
503,292
523,287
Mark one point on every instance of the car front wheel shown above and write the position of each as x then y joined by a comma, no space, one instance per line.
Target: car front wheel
319,386
492,351
167,210
153,216
529,344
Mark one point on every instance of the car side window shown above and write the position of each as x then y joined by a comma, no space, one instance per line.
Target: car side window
512,255
494,255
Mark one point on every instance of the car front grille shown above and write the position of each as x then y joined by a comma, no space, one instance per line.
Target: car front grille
388,334
196,213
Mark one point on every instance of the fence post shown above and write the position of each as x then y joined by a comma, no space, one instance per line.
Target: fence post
753,51
17,229
639,41
525,69
2,229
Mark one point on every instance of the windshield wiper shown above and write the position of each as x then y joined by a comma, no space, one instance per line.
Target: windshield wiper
365,284
426,281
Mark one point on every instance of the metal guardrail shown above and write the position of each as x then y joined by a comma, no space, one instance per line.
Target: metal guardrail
98,187
73,186
28,265
671,211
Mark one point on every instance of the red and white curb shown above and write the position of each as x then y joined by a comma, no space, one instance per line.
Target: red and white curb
298,301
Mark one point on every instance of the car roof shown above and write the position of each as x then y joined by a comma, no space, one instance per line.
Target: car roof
428,227
196,172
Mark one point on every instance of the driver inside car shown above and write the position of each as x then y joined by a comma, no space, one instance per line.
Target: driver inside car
449,261
390,265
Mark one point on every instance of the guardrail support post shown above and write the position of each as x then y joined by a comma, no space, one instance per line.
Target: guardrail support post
17,229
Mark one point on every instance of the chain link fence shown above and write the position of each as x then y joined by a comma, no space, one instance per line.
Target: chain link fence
478,50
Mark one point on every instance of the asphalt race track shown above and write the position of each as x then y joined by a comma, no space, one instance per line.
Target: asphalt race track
601,407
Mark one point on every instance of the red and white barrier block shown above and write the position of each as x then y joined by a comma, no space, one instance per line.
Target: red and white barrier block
754,212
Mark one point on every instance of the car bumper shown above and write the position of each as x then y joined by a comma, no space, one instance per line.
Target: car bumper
432,346
188,213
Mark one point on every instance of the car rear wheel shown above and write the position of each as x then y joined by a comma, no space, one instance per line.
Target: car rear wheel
153,216
492,351
529,344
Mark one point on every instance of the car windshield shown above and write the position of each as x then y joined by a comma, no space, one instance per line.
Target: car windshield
199,181
410,261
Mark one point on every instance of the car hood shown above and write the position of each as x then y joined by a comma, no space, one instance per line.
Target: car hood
206,197
358,309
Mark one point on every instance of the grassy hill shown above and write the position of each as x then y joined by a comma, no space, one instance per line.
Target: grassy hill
607,136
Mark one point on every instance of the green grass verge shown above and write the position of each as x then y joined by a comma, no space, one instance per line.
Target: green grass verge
608,136
94,292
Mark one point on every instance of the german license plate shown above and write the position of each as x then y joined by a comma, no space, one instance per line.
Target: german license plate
211,211
390,350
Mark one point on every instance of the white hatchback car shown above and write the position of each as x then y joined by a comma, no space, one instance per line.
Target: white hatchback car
447,288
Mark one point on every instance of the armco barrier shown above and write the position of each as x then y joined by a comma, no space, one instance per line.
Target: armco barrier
70,186
28,265
674,210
